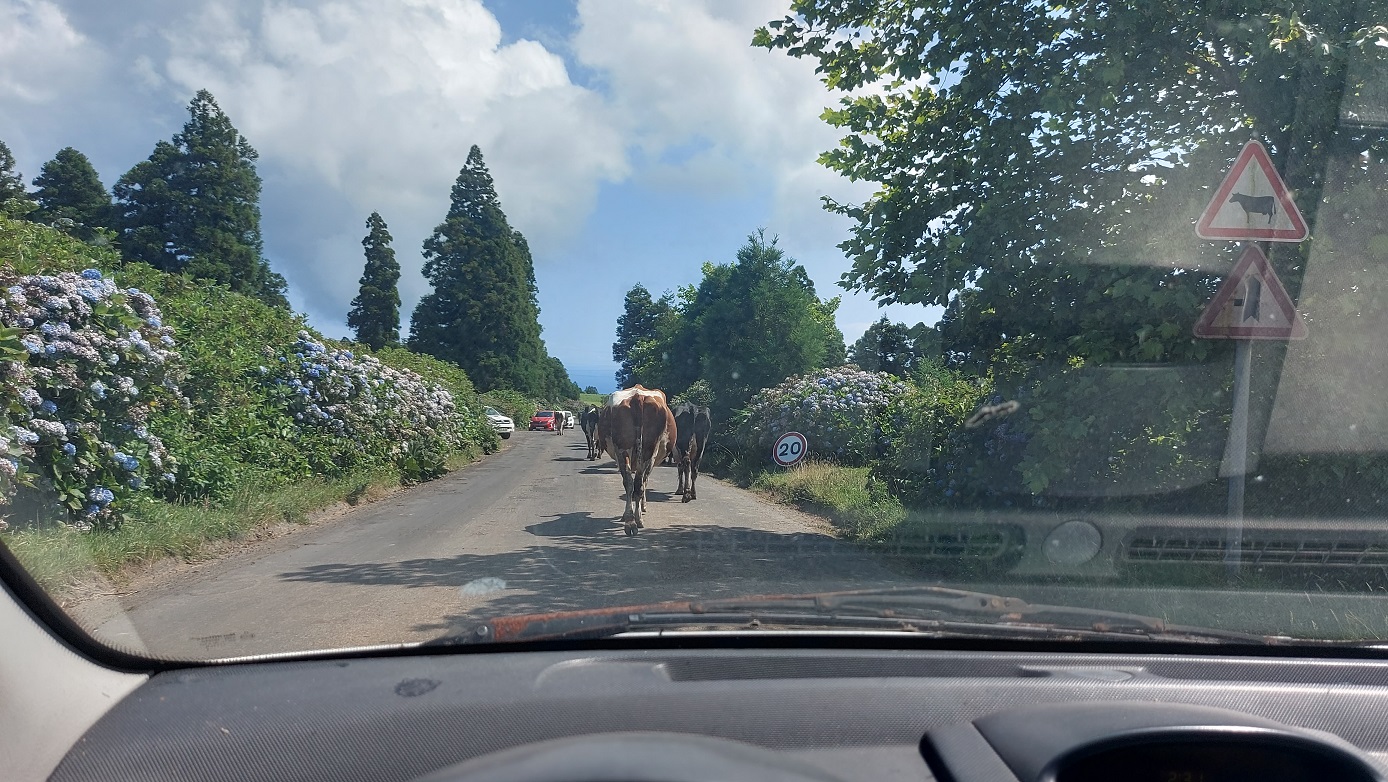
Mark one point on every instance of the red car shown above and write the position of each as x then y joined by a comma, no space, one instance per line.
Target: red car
547,420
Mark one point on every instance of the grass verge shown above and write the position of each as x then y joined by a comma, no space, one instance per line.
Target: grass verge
62,559
839,493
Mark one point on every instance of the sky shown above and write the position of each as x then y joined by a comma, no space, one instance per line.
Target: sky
631,140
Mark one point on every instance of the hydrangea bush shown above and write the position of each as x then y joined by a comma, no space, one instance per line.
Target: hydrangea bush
386,413
841,411
83,365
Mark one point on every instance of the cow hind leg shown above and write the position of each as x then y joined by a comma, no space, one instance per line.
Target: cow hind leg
631,522
691,463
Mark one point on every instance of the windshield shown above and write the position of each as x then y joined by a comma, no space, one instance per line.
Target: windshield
325,325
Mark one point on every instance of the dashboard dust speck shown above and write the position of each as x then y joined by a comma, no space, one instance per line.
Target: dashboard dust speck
414,687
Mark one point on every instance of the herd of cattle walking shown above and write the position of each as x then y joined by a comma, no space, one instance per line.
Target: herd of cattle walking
638,428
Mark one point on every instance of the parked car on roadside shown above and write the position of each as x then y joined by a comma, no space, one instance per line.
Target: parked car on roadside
570,420
503,424
546,420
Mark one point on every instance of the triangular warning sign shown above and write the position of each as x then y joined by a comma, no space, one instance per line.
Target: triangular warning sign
1251,304
1252,203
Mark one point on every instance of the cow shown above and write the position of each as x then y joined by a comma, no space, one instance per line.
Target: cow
636,429
692,428
1261,205
588,422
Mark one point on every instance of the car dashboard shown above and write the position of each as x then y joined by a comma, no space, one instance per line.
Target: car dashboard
782,707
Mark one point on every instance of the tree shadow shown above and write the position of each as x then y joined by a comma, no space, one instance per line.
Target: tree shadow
570,459
583,561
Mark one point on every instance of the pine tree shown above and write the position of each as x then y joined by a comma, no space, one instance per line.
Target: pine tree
70,189
11,183
482,314
194,206
375,315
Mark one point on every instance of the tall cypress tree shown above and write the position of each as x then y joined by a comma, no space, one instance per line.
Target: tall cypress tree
69,188
375,315
194,206
482,313
11,183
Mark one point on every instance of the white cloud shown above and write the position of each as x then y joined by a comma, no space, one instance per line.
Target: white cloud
40,52
379,102
683,71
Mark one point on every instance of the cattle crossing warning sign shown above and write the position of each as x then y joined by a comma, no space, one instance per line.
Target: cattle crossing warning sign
1252,203
1251,304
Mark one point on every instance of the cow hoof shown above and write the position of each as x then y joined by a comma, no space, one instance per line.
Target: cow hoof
687,498
630,529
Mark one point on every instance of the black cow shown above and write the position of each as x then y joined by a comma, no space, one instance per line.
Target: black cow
1260,205
588,422
692,428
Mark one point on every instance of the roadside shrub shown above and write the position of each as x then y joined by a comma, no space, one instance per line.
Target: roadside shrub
234,434
699,393
84,366
512,404
382,414
839,410
923,426
473,422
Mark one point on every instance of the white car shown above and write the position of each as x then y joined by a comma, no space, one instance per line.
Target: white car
503,425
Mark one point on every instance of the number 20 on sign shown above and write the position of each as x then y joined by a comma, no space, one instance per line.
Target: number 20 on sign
789,449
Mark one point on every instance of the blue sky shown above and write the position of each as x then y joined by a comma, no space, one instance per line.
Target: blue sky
631,140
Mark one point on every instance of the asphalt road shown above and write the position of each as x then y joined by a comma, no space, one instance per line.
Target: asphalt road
533,528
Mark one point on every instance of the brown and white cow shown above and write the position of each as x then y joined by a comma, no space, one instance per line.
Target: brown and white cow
636,428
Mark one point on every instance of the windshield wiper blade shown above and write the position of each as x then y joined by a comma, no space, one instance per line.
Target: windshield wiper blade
926,609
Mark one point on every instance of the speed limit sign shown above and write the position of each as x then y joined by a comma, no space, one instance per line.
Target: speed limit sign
789,449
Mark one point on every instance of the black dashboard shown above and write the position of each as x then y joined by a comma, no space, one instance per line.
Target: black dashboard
735,713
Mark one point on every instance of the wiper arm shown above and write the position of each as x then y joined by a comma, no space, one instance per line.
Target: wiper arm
930,610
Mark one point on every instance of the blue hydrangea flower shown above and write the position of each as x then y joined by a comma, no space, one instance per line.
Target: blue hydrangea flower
135,483
91,274
48,406
69,449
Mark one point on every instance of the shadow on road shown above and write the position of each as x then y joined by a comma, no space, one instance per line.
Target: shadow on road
570,459
583,561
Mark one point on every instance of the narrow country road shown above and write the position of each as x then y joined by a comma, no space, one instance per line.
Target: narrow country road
533,528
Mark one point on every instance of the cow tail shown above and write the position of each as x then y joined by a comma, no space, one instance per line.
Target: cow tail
640,429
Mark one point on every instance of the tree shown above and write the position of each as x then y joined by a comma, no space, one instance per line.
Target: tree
11,183
1050,158
747,326
893,348
636,324
482,314
590,390
758,321
69,188
194,206
375,313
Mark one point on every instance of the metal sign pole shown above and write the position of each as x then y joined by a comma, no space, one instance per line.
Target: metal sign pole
1236,456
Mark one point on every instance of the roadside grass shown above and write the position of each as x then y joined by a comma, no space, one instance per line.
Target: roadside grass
839,493
63,560
592,399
